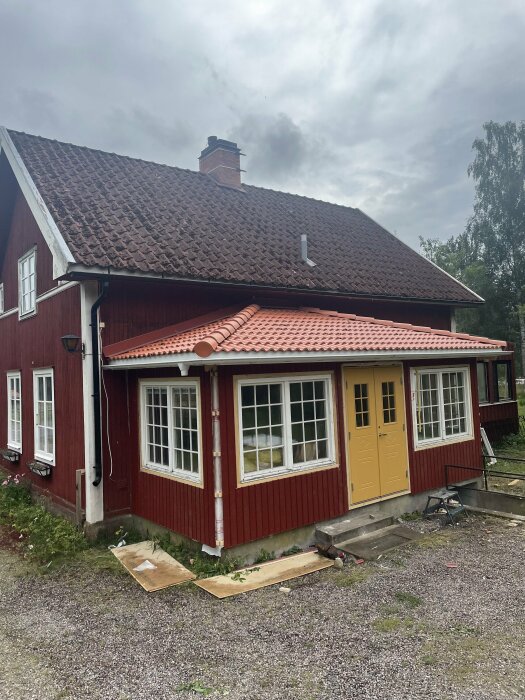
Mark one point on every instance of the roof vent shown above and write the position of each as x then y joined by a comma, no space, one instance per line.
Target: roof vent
221,160
304,251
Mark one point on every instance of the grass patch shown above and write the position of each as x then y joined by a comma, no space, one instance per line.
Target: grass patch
434,540
408,599
43,537
350,577
408,517
388,624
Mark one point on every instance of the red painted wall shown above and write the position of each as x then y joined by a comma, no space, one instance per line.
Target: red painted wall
35,342
184,508
261,509
427,466
134,306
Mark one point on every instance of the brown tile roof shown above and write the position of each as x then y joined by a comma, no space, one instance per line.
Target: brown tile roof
132,215
254,329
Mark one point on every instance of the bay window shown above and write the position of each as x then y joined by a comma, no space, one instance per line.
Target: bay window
170,428
441,405
285,425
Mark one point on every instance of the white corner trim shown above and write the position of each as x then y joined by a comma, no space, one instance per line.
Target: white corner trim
61,254
94,494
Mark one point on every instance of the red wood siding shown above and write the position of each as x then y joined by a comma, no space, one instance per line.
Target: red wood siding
266,508
24,234
499,419
183,508
28,345
134,307
427,466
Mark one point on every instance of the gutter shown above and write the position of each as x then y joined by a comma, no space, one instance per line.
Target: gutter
96,383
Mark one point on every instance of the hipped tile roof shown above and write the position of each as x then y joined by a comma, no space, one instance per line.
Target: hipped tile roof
256,329
129,215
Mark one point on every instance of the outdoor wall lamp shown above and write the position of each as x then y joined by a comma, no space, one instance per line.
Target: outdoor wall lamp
71,344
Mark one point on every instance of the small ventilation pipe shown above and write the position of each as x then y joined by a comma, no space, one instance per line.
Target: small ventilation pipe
304,251
217,467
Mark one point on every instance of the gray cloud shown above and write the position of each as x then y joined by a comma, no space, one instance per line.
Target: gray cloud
370,103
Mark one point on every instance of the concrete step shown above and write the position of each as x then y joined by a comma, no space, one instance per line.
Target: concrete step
350,528
373,544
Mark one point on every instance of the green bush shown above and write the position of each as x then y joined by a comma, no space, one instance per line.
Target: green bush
45,536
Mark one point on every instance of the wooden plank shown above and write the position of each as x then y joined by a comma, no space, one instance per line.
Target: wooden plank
252,578
167,571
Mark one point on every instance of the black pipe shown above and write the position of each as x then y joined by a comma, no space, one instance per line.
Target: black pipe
96,384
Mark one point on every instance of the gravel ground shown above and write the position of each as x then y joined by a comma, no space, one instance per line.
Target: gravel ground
404,627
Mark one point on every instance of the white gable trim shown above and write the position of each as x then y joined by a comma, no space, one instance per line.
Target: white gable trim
62,256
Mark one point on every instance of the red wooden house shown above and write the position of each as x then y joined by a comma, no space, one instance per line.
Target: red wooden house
224,361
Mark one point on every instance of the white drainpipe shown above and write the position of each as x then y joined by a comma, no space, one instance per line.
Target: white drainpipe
217,467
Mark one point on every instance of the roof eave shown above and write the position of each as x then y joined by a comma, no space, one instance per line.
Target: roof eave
191,359
80,271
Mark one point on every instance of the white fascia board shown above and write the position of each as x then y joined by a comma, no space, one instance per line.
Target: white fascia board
62,256
263,358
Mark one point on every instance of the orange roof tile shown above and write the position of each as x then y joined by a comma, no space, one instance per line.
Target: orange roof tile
255,329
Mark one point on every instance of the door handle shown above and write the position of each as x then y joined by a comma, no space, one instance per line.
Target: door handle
382,434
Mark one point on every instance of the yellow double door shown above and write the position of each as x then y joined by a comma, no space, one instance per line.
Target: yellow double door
376,440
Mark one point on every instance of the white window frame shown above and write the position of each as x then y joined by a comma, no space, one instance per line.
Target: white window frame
40,455
288,467
2,298
31,311
468,434
11,443
171,470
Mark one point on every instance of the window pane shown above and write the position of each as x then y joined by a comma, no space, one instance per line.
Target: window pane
389,403
185,438
502,376
157,425
262,435
362,414
310,404
454,408
427,407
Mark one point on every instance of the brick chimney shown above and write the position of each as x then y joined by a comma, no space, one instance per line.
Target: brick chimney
221,160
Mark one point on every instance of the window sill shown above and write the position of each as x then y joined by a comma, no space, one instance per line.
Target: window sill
50,461
443,443
497,403
173,476
29,314
286,475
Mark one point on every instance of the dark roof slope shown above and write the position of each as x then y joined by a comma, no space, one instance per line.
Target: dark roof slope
127,214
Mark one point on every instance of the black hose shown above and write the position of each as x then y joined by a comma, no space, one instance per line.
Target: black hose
96,384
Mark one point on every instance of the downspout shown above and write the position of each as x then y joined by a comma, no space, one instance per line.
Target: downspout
96,383
217,466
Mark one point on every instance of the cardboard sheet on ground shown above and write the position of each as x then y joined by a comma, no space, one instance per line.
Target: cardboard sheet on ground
268,574
152,568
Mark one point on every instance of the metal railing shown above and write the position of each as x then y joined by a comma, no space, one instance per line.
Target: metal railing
486,471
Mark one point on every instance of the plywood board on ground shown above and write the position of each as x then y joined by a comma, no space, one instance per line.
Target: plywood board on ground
151,566
259,576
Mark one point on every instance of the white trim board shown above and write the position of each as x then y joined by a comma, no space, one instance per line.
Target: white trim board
62,256
187,359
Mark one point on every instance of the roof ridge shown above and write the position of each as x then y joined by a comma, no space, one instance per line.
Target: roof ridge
105,153
407,326
211,343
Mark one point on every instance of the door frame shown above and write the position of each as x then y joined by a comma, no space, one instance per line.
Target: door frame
371,365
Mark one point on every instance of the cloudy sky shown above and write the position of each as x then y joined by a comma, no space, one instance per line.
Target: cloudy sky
371,103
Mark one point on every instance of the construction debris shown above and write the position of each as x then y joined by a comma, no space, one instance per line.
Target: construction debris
151,566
